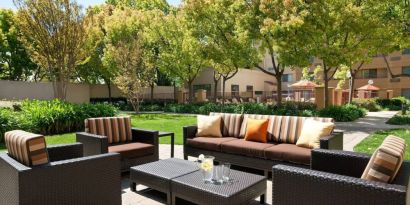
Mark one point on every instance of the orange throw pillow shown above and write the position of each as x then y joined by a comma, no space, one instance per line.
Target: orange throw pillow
256,130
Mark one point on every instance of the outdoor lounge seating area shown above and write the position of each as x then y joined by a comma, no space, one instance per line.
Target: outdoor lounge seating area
79,173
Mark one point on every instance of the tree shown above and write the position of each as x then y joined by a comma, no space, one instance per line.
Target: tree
275,28
215,23
123,52
53,34
141,4
15,63
183,55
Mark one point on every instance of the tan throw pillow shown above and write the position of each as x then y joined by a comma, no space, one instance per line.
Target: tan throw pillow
386,160
209,126
312,131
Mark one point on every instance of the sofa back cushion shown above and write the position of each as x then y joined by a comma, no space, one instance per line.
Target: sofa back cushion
282,129
230,125
116,129
27,148
386,160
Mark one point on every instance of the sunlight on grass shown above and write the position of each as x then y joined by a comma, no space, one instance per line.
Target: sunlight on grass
373,141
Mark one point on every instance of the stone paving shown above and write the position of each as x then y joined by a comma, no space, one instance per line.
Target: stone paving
354,132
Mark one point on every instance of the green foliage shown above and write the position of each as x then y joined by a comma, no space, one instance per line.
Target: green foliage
399,119
51,117
368,104
393,103
345,113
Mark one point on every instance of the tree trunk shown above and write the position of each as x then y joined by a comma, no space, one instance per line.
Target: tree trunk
59,89
109,91
223,91
351,89
215,89
190,92
152,93
326,82
279,89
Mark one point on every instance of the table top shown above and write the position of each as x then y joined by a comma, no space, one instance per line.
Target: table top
167,168
241,181
161,134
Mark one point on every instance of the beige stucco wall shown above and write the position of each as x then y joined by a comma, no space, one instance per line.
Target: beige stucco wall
78,93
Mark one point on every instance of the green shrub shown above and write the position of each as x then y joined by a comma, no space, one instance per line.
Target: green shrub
368,104
399,119
51,117
345,113
393,103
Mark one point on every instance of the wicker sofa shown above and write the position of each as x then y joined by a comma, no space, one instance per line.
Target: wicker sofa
65,178
334,178
280,149
115,135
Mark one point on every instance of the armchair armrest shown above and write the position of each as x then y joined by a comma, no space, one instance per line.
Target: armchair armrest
145,136
92,144
333,141
87,180
65,151
339,162
293,185
189,132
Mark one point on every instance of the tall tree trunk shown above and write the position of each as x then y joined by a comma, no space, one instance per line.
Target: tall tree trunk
215,90
223,91
109,91
190,92
175,91
326,82
279,89
152,93
351,86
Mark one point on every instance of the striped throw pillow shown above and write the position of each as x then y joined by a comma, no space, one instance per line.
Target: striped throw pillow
386,160
27,148
230,125
116,129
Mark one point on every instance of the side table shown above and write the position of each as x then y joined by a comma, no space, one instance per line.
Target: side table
170,134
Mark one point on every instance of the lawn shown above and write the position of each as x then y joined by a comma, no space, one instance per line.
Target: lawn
370,144
162,122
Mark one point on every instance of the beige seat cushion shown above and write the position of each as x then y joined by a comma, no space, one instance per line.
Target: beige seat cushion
247,148
386,160
209,126
312,131
289,153
230,124
208,143
132,150
27,148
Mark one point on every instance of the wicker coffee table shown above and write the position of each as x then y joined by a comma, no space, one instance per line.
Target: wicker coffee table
244,188
157,175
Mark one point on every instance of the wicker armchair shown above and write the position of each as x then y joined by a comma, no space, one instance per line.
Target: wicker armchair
334,178
68,179
142,146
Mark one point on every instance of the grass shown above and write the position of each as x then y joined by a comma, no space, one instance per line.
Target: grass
161,122
373,141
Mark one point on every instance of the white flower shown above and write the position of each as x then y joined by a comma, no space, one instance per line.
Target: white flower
201,157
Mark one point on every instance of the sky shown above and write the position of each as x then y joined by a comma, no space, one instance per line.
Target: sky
85,3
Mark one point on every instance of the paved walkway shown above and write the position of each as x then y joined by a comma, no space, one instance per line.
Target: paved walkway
355,132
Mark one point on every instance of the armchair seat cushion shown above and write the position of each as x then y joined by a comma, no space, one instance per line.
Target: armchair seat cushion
132,150
247,148
208,143
289,153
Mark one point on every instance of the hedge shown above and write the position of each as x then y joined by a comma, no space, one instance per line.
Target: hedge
51,117
393,103
345,113
399,119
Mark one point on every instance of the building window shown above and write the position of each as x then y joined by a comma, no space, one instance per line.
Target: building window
405,93
235,90
406,51
405,70
369,73
287,78
249,88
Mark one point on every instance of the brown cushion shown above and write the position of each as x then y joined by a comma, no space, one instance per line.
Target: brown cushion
27,148
116,129
231,124
213,144
289,153
132,150
247,148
